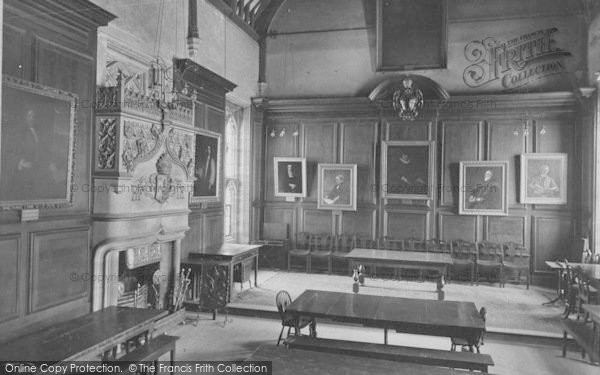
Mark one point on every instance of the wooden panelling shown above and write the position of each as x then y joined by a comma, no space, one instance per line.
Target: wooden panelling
316,221
199,115
282,215
193,238
558,135
320,145
362,221
506,229
453,227
358,147
418,130
9,277
276,146
407,224
59,267
215,119
213,230
459,142
13,56
482,132
552,240
507,142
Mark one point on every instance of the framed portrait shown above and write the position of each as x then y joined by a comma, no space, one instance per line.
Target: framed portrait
407,169
543,178
398,22
37,145
483,188
290,177
207,167
336,187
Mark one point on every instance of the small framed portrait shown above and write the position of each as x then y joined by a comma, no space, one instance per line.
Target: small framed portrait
407,169
207,167
337,187
290,177
543,178
483,188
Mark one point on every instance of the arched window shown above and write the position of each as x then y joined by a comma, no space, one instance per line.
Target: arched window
235,166
231,147
230,213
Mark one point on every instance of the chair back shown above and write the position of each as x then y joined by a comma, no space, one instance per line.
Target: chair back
415,244
483,315
364,241
490,251
516,253
321,242
344,243
390,243
303,240
437,246
282,300
463,249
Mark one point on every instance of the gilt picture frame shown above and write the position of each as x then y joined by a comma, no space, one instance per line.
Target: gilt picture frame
543,178
483,188
289,177
37,149
336,187
407,169
207,167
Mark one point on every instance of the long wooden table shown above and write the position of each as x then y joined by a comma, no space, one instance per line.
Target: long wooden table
438,262
83,338
298,362
408,315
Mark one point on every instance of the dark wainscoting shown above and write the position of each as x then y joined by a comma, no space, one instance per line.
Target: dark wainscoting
41,259
351,130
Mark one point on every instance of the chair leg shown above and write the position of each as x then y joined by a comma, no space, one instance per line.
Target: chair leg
280,334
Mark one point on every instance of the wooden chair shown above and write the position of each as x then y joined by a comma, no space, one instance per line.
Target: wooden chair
366,241
282,300
587,294
300,250
463,259
464,344
321,249
516,263
343,243
437,246
415,244
489,261
390,243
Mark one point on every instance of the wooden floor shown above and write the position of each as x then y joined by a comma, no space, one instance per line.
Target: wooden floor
238,337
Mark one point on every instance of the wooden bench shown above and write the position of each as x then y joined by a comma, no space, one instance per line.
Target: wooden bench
152,350
432,357
583,334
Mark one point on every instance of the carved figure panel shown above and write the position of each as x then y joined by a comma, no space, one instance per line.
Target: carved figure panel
141,142
181,148
107,143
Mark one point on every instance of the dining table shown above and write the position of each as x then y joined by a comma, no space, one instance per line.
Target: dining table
455,319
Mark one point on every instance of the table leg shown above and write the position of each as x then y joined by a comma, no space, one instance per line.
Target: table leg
256,270
385,336
231,285
558,289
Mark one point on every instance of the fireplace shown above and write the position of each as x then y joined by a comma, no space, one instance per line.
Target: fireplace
143,173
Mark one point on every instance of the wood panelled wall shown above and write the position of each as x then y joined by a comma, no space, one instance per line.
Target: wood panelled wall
45,272
206,219
499,127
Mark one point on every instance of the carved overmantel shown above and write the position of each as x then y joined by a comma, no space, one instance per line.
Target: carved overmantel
143,173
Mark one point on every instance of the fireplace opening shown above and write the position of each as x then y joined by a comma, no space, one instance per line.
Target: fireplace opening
138,286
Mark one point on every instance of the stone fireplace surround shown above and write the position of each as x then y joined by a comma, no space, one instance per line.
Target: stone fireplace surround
143,173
